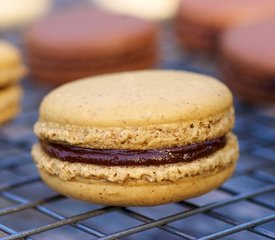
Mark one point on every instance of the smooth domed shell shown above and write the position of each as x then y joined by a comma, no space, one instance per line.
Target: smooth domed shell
136,99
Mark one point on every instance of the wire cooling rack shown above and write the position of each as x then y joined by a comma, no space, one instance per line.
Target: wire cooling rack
243,208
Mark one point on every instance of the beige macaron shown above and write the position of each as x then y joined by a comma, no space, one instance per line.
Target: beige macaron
14,13
153,9
130,138
11,71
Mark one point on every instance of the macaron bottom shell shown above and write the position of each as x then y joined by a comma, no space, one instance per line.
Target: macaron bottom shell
139,193
61,76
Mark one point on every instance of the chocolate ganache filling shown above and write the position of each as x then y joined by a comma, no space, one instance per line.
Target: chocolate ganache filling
125,157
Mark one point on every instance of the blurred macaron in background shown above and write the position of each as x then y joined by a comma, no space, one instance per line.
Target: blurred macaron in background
199,23
18,13
152,9
248,60
11,71
80,42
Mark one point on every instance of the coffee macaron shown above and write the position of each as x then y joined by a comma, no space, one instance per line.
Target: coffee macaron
11,71
14,13
248,61
81,42
200,23
136,138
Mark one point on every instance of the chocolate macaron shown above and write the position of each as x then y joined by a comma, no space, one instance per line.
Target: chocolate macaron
82,42
248,61
199,23
11,71
136,138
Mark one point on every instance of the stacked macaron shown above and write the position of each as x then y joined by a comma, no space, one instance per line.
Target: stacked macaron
137,138
11,71
248,55
200,23
81,42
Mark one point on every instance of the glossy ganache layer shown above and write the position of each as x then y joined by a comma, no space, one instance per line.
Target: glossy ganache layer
125,157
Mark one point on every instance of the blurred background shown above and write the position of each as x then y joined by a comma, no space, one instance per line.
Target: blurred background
231,40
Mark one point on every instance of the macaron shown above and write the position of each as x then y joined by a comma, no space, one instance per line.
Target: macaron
153,9
14,13
81,42
11,71
248,61
200,23
136,138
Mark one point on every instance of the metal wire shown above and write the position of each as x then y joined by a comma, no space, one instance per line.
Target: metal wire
240,228
185,214
252,184
163,223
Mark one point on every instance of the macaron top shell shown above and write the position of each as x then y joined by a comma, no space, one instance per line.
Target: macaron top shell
252,45
136,99
137,110
87,32
218,13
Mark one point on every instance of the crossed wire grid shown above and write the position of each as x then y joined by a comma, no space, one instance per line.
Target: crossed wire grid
243,208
